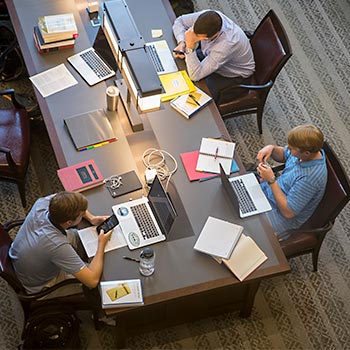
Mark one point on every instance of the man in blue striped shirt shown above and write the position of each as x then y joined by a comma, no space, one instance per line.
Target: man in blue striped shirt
295,194
215,48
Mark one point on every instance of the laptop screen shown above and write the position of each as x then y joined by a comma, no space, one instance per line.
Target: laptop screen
229,189
161,206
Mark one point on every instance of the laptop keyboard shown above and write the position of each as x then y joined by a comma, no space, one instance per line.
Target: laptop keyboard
246,204
144,221
94,61
153,55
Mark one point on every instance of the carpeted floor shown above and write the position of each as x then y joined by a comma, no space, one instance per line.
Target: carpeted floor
302,310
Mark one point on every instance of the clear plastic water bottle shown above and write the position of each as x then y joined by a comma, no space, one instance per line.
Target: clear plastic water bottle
147,258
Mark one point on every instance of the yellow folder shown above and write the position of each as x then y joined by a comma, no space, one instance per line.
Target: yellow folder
176,84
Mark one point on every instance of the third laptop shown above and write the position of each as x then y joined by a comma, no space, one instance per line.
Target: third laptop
245,194
147,220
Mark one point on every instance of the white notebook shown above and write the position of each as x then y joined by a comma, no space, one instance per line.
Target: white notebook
218,237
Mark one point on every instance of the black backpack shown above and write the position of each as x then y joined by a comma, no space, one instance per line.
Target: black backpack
11,61
52,327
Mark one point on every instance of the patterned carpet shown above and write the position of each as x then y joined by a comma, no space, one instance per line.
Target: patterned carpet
302,310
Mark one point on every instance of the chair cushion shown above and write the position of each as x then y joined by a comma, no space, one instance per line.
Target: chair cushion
14,134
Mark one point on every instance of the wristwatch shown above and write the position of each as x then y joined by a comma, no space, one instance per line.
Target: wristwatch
188,50
272,180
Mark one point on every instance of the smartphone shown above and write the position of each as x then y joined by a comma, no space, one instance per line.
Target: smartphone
108,224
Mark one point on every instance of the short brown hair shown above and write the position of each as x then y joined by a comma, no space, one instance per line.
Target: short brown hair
306,137
66,205
208,23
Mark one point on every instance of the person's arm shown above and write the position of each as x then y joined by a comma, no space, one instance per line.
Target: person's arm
275,152
94,220
91,274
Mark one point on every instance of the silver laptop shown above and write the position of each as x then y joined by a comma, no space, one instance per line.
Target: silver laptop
161,57
245,194
148,220
90,65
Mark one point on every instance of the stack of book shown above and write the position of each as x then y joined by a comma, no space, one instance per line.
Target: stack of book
55,32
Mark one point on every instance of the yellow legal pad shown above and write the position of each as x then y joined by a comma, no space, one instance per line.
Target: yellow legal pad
119,291
176,84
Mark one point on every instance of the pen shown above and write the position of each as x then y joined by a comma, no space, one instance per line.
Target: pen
216,152
194,99
208,178
131,259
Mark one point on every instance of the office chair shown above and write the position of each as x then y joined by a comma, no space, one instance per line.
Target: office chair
33,301
271,50
308,239
14,143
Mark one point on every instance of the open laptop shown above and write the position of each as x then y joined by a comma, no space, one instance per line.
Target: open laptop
91,66
161,57
245,194
148,220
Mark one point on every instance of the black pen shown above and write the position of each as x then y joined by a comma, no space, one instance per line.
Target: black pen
194,99
131,259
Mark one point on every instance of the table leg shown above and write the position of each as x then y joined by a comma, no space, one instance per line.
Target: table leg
248,303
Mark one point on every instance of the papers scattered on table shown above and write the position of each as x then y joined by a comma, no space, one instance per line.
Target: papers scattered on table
157,33
218,237
121,293
53,80
89,239
213,152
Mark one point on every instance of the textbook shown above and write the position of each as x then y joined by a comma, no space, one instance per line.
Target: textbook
245,258
80,177
218,237
121,293
175,84
57,27
213,152
189,104
90,130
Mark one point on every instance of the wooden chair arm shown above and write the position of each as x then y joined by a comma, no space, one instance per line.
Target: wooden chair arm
9,158
12,223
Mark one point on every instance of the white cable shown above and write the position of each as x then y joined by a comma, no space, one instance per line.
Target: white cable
156,159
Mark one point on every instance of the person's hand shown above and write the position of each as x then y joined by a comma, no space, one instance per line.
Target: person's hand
265,153
265,171
98,219
103,237
191,38
179,51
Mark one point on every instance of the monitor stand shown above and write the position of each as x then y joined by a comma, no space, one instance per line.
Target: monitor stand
130,108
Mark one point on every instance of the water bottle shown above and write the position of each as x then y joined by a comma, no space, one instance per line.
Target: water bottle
147,258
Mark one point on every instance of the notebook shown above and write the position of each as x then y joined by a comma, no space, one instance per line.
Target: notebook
90,65
148,220
161,57
245,194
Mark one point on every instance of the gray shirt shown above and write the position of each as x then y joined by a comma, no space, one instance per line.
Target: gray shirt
40,249
229,54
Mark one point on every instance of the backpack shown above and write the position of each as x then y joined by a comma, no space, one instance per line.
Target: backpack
52,327
11,61
182,7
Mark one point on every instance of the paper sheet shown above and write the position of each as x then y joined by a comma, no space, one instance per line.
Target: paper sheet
89,238
53,80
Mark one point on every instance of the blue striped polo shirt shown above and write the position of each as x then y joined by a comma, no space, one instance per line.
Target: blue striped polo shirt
303,183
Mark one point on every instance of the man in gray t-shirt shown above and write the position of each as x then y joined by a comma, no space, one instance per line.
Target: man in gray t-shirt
41,251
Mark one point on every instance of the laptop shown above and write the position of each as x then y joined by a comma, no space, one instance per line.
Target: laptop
147,220
245,194
161,57
91,66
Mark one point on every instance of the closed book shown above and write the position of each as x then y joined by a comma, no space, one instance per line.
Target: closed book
218,237
245,258
57,27
89,130
80,177
40,44
121,293
189,104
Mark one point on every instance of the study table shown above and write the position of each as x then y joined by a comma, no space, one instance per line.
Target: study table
186,284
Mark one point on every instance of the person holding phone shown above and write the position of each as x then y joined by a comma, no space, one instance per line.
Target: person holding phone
214,48
45,250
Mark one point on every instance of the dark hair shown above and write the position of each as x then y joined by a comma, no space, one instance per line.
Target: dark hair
306,137
208,23
65,206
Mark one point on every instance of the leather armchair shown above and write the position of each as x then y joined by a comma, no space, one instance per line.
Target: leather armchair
271,50
308,239
14,144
